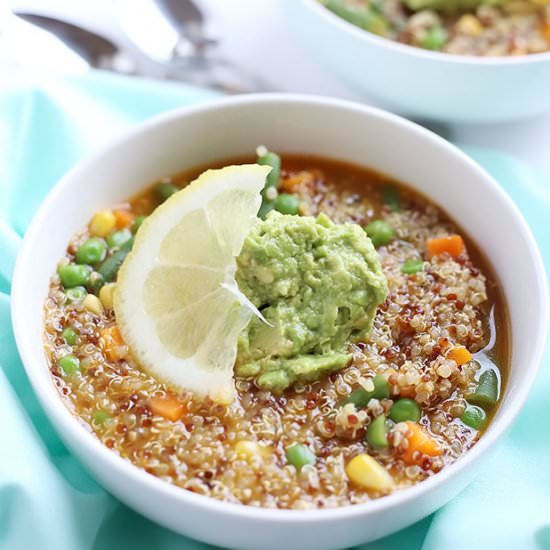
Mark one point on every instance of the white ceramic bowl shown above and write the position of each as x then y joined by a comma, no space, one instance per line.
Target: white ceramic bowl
424,84
299,124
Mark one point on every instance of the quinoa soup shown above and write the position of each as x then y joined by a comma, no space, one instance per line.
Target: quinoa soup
464,27
415,395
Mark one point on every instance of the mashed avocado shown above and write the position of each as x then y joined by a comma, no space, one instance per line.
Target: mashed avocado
318,285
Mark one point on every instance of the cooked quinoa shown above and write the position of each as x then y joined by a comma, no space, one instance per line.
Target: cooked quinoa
239,453
469,27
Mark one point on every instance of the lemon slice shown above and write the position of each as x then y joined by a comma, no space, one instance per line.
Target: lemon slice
176,302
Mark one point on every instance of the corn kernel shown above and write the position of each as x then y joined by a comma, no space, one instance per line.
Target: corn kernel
470,25
247,449
366,472
102,223
93,304
106,295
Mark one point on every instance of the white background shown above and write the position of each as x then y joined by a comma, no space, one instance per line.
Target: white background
255,34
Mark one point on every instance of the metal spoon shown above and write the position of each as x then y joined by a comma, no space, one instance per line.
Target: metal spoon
96,50
184,50
188,20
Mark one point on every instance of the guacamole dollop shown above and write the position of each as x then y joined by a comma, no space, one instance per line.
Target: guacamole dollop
318,285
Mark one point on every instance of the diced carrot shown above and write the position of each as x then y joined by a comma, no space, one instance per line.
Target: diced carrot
113,344
419,440
460,355
290,185
546,32
123,218
452,245
169,407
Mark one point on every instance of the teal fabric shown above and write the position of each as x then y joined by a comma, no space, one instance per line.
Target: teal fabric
48,501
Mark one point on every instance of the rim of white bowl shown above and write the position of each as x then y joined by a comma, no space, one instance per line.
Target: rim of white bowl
414,51
68,424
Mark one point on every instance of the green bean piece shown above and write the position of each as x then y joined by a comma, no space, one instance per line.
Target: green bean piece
165,190
486,394
100,417
137,223
72,275
435,39
287,204
76,294
268,158
362,16
405,409
266,207
474,417
299,455
449,6
96,282
381,387
391,198
91,252
360,397
274,160
412,266
109,268
69,364
377,436
380,232
70,336
118,238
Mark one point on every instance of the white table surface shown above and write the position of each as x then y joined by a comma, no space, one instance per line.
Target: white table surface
256,34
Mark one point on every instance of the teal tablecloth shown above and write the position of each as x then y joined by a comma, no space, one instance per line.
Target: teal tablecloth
47,500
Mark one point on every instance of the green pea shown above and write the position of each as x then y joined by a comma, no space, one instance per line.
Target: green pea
118,238
360,397
299,455
72,275
274,160
486,394
137,223
91,252
100,417
405,409
109,268
69,364
70,336
391,198
76,294
435,39
377,436
474,417
287,204
380,232
165,190
413,266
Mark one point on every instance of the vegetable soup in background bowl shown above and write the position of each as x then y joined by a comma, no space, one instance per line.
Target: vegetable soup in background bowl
457,62
392,344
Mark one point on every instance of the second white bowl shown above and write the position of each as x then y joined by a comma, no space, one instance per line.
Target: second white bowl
423,84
